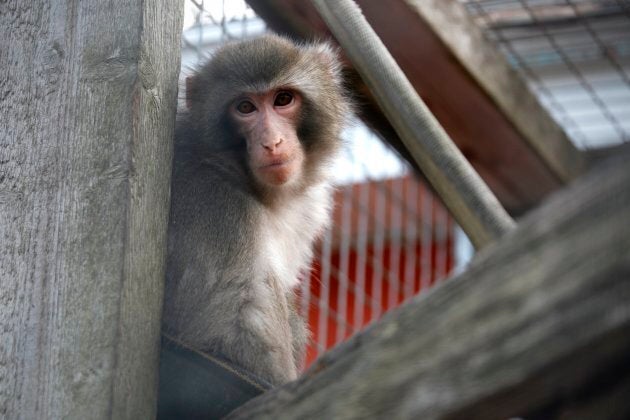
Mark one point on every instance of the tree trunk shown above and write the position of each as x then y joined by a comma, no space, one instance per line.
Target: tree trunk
87,98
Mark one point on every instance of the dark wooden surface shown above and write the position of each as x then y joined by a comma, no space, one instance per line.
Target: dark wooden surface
87,97
537,326
483,105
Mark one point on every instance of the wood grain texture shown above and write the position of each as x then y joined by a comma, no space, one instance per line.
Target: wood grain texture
87,97
538,324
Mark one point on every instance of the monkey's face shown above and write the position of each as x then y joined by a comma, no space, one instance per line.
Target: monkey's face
268,122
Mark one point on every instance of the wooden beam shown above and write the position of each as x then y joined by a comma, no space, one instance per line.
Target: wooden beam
539,323
485,132
87,97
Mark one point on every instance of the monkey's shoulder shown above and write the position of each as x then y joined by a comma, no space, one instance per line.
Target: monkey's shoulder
199,169
212,201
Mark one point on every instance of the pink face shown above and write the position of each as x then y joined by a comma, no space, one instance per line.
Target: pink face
268,122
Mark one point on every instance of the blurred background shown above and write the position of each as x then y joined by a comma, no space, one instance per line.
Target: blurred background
391,238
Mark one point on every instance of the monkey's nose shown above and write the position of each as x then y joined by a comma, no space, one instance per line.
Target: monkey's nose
271,144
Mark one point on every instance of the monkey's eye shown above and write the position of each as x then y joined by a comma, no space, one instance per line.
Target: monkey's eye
245,107
283,98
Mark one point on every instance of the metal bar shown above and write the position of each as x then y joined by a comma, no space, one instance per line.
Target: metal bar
305,293
344,260
324,291
411,238
441,235
378,244
395,232
361,251
427,242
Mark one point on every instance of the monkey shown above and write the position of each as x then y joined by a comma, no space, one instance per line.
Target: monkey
251,191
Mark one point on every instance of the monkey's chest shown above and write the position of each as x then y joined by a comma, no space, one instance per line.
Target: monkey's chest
290,234
286,260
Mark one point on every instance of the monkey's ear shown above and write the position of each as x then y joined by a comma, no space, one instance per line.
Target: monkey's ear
329,56
191,91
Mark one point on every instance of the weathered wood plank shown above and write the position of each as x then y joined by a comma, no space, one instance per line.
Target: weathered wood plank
87,97
531,324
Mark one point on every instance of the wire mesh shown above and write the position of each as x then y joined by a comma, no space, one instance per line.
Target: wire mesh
390,240
574,54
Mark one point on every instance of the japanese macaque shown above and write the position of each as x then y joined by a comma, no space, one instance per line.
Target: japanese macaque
251,192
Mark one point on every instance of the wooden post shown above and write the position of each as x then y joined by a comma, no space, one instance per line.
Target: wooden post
87,98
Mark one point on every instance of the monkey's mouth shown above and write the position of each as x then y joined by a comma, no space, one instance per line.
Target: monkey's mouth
275,163
277,171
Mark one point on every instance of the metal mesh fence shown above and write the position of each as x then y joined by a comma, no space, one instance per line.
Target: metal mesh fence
390,240
575,56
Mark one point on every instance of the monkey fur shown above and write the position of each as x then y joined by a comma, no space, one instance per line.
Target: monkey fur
240,236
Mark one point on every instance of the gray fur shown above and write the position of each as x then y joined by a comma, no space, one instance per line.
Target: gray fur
235,248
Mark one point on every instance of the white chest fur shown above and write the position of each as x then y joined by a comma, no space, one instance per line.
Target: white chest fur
291,230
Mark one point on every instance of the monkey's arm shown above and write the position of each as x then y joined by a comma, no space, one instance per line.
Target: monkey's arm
220,295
